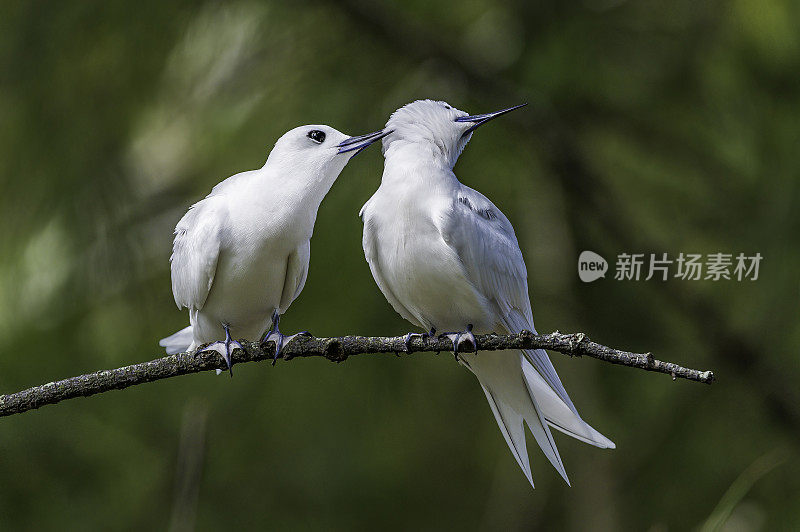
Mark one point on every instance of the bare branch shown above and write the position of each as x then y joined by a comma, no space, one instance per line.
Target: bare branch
335,350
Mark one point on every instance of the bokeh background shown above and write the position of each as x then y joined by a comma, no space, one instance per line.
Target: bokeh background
652,127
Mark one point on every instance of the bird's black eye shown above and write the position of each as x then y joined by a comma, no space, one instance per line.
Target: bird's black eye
317,136
447,107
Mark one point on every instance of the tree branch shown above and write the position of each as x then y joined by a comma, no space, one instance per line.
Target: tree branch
335,350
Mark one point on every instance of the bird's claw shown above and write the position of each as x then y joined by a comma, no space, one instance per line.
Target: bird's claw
407,341
280,340
407,338
459,337
225,349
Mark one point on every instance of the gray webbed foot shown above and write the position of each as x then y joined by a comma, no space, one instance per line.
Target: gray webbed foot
464,336
409,336
277,337
225,348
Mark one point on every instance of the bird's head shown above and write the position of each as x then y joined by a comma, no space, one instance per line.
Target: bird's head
435,123
318,150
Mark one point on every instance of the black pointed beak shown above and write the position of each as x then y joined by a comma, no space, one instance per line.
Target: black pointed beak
479,120
361,142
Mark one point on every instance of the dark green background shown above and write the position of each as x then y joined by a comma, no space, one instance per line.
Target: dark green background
652,127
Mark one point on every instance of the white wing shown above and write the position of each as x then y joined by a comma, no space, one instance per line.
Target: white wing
296,274
195,252
373,259
485,242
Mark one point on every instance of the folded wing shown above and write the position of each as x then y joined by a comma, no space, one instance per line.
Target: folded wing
195,252
487,247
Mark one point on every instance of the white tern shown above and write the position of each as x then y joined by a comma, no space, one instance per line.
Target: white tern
240,256
447,259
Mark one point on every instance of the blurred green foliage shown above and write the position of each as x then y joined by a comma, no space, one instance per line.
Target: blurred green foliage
653,127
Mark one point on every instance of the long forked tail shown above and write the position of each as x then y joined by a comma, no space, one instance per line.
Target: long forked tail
550,394
517,392
558,414
178,342
512,402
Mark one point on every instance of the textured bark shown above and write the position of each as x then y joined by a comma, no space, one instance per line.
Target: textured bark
335,350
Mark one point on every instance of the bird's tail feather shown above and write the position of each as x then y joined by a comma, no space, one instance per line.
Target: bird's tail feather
510,423
556,404
178,342
541,361
558,414
516,322
512,400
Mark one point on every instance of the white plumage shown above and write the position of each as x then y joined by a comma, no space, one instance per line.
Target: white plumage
241,254
445,257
